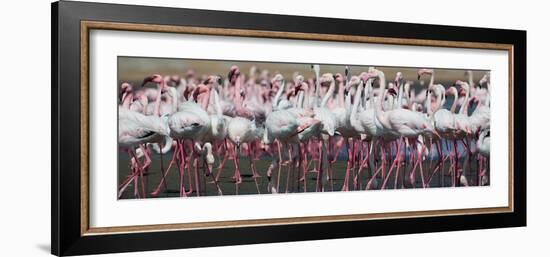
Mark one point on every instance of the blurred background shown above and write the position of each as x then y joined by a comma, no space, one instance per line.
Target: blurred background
134,69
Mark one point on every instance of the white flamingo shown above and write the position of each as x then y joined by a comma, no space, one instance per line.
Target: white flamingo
136,129
407,124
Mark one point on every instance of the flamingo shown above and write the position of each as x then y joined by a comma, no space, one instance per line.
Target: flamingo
344,126
311,126
280,125
328,121
407,124
205,117
190,122
481,116
136,129
463,131
239,131
484,148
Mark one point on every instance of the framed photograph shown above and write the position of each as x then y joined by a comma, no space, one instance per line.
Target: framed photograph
178,128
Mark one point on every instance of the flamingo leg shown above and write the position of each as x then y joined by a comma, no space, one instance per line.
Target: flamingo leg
422,148
140,170
394,163
196,172
222,164
303,164
437,166
317,183
398,158
238,178
358,180
345,187
131,178
181,169
456,173
252,167
279,146
290,167
338,147
163,179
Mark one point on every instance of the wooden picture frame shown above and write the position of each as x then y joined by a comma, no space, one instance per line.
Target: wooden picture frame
71,24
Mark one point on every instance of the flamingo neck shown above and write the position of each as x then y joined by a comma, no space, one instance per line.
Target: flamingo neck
366,95
156,106
204,99
317,87
428,102
356,100
237,94
379,112
126,100
173,98
455,101
464,108
329,93
217,105
300,99
408,98
400,97
341,101
348,104
277,97
306,99
438,101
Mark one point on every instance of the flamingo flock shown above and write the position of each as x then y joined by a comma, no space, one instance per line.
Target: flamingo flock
389,136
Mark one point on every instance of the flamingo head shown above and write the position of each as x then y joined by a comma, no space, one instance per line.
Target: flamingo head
451,91
155,78
234,73
213,81
277,80
326,79
338,77
125,88
428,128
392,90
398,78
484,79
201,94
422,72
462,92
307,124
463,87
186,124
474,100
354,82
371,74
300,86
139,95
174,80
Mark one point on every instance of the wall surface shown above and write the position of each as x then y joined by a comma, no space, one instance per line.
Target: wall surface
25,128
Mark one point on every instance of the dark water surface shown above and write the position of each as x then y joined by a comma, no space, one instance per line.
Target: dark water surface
226,182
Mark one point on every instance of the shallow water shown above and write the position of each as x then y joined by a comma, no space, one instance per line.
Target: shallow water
228,187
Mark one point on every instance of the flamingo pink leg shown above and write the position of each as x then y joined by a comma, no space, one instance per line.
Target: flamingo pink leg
345,187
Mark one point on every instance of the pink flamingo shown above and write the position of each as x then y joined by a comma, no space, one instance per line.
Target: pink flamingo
407,124
137,129
191,122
